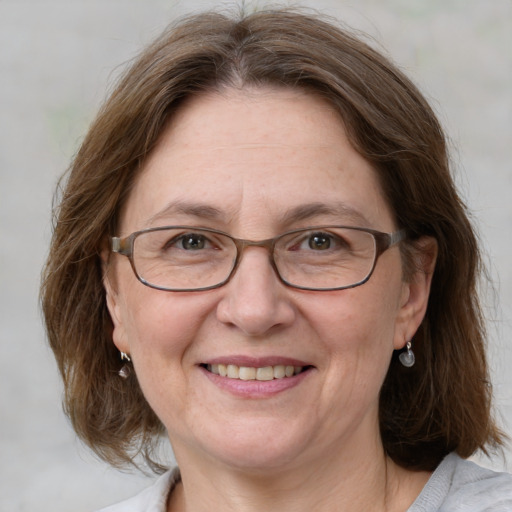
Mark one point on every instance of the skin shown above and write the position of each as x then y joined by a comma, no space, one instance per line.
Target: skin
254,156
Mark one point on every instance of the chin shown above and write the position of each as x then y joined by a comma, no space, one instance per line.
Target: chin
254,446
249,458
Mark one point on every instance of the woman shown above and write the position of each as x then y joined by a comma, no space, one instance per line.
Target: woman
260,252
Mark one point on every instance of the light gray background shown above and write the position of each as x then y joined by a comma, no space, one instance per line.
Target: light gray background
57,60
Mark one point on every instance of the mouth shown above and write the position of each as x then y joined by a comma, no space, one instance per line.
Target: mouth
261,373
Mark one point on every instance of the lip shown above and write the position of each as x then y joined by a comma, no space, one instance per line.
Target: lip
256,362
255,389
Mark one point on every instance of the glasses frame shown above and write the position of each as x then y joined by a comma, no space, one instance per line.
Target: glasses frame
383,242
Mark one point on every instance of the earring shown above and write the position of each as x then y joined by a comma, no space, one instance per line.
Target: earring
125,370
407,358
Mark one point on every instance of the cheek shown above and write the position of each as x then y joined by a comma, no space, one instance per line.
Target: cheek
162,332
361,318
356,331
163,324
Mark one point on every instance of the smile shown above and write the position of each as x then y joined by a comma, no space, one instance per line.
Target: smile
264,373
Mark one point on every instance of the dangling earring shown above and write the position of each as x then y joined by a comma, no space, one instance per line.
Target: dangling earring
407,358
125,370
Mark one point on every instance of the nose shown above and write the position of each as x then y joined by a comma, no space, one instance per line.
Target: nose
255,301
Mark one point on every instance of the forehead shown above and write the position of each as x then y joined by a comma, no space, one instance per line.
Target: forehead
254,155
253,115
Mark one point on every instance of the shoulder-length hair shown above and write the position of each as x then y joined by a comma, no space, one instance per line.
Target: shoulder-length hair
440,405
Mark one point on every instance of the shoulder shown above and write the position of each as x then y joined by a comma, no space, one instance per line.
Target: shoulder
459,485
479,489
152,499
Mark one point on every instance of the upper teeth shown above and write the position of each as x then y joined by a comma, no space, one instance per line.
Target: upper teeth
249,373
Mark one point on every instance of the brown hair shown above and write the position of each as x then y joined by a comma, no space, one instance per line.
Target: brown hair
443,403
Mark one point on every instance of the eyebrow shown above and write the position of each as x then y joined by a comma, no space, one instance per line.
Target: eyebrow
199,210
339,211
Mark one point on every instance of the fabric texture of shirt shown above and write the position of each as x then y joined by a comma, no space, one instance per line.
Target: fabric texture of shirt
457,485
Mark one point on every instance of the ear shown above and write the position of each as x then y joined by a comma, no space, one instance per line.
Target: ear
416,290
114,303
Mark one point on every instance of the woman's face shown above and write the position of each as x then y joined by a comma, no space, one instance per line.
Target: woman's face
257,163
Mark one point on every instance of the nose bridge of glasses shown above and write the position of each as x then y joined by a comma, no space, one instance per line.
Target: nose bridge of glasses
242,245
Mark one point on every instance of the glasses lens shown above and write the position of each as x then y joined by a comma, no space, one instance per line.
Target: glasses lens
325,258
183,258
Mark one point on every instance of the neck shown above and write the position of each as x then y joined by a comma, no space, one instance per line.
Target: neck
369,482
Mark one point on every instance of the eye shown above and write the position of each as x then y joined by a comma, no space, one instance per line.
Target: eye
190,242
320,241
335,241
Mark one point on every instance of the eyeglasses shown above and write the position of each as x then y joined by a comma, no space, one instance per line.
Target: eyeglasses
320,258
